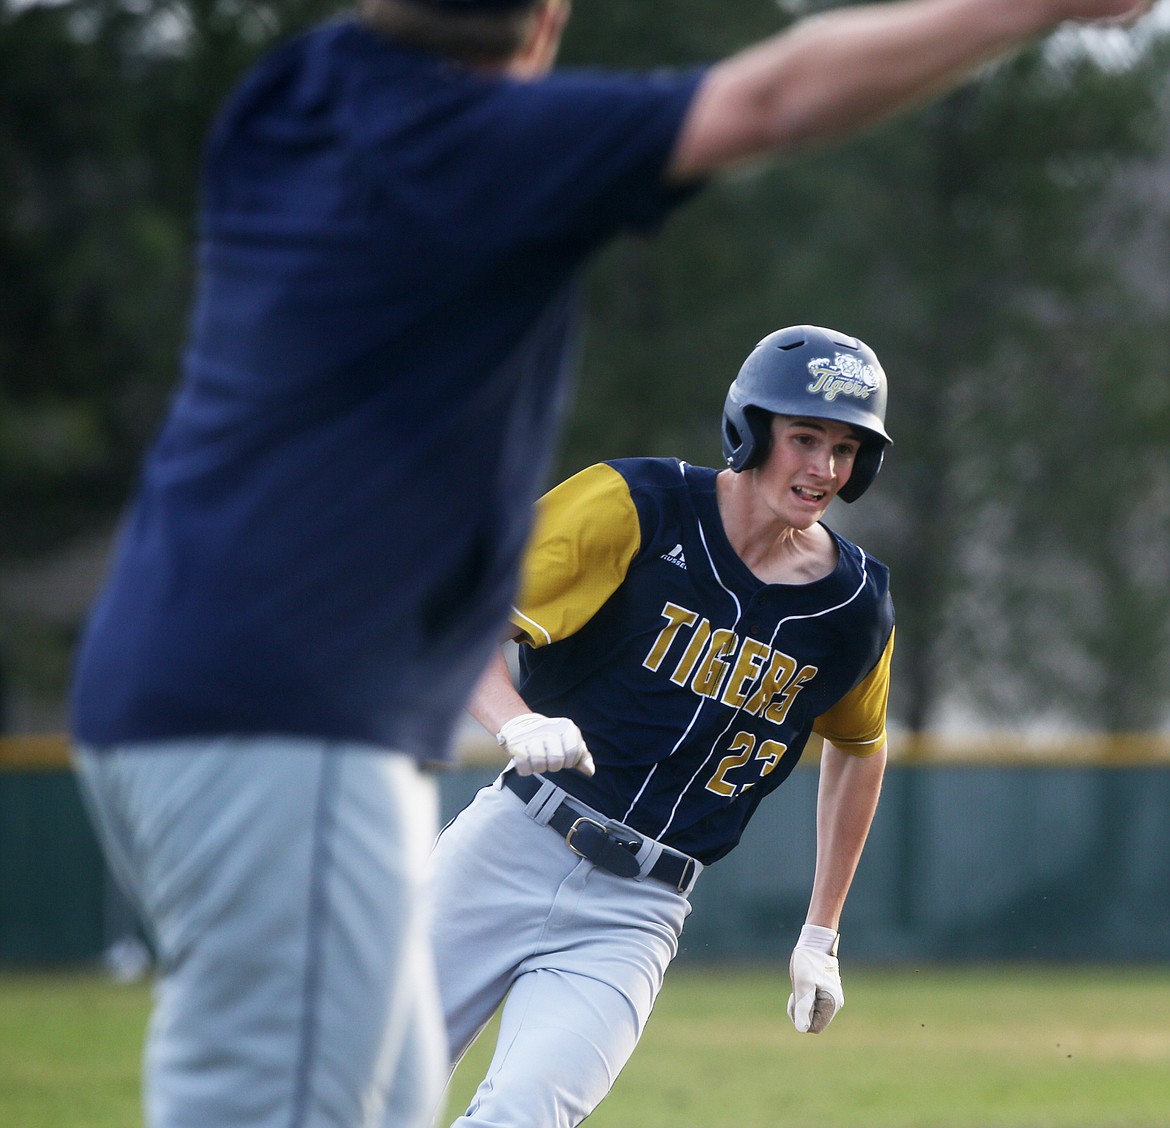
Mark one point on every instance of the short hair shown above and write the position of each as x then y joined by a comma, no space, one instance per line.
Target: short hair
491,35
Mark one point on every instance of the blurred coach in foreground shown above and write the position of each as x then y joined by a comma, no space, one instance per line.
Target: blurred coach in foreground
396,206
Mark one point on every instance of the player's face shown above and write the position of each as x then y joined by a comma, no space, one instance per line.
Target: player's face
810,460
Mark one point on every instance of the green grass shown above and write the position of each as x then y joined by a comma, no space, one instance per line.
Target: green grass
1019,1047
944,1048
70,1048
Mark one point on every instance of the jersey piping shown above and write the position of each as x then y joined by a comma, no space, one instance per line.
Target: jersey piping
759,677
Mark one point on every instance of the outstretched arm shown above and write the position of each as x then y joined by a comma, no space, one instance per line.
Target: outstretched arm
835,74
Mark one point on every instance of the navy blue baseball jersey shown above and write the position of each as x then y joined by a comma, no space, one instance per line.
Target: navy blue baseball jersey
696,685
327,534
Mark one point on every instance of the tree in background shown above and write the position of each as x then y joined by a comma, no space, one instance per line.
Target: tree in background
103,109
1048,302
965,244
988,248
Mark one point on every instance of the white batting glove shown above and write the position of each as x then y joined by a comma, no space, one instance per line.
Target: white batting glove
816,980
538,743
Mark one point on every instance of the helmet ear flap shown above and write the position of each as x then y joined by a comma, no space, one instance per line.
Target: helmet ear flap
747,436
866,464
807,371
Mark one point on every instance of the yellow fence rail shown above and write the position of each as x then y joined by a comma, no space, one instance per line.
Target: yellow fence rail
48,752
1025,748
42,752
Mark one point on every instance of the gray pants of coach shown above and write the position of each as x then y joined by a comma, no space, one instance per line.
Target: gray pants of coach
284,883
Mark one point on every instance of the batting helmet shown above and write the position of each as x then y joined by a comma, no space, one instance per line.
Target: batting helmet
815,373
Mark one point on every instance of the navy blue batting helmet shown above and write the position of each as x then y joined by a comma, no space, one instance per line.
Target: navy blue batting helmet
812,372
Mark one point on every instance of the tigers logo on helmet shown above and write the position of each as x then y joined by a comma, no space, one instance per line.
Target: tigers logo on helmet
844,375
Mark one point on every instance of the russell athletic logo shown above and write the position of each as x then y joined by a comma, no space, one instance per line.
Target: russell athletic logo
675,556
844,375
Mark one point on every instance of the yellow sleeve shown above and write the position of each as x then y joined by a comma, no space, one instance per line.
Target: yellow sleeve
857,723
585,534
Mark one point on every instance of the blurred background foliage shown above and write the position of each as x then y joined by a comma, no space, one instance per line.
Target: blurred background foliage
1005,251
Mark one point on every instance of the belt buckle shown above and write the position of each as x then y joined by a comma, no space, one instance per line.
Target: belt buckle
604,847
687,875
577,826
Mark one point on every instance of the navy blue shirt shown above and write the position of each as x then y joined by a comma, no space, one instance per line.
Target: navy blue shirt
327,530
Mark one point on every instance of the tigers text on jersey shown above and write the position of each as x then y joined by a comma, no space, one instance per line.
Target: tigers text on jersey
695,684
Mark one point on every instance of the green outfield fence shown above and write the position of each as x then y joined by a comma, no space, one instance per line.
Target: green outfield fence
57,904
985,847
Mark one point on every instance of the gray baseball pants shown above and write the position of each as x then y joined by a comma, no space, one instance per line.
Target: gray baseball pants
578,952
283,881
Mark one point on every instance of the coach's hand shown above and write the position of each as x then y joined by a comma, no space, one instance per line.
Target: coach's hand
816,980
538,743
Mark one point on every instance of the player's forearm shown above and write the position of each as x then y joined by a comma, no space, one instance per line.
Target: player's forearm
833,75
846,801
495,699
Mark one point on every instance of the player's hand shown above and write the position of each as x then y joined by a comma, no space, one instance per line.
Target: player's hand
538,743
816,980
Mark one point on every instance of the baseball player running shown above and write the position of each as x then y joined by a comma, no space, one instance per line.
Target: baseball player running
685,631
395,210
